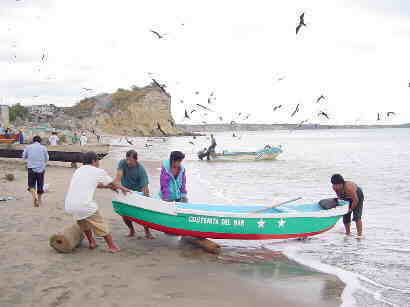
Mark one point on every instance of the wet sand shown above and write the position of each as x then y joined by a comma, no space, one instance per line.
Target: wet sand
159,272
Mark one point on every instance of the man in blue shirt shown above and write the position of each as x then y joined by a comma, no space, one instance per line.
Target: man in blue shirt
36,156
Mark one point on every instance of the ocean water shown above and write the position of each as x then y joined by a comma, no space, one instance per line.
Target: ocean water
376,268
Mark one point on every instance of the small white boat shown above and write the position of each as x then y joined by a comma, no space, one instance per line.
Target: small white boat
268,153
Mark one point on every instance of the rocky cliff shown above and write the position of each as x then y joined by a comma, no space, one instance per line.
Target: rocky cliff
141,111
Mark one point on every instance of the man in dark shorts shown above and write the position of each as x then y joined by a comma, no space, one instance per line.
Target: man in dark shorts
350,192
36,156
132,175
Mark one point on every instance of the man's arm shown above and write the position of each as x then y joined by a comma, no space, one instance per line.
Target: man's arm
145,190
352,192
118,177
25,155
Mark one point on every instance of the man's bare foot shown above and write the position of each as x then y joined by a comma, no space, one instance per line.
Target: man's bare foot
93,245
36,203
131,234
113,249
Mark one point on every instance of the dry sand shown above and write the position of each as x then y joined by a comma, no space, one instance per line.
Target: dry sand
160,272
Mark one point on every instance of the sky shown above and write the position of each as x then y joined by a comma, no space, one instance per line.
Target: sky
354,52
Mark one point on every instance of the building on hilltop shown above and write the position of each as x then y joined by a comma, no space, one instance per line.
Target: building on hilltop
46,109
4,116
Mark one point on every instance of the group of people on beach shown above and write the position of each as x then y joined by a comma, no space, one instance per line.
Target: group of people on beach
132,176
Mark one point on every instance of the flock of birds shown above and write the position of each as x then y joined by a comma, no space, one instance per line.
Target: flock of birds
204,109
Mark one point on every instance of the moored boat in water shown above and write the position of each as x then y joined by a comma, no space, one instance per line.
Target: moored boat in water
267,153
226,221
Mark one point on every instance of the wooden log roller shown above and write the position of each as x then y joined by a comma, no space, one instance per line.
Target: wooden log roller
67,240
206,244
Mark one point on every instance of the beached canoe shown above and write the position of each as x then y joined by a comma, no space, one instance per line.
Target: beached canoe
228,222
62,153
259,155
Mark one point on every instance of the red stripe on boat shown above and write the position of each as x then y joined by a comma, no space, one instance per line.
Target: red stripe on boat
219,235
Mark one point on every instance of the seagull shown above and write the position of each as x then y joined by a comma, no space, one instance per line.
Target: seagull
159,36
233,135
87,89
390,113
193,111
320,98
128,141
192,143
160,86
301,22
43,57
277,107
302,122
181,101
160,129
196,93
296,111
220,118
203,107
186,115
321,113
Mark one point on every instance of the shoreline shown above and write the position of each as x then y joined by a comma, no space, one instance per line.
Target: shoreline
147,272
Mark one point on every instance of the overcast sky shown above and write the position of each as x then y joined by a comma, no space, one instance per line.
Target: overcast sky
355,52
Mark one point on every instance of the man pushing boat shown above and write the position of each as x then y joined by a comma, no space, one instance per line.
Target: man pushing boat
350,192
132,175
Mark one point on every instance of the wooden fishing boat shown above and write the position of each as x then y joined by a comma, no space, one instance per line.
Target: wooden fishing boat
63,153
268,153
8,140
228,222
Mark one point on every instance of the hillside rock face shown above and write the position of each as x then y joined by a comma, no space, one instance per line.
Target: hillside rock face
125,112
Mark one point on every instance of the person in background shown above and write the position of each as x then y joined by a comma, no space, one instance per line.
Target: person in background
173,178
7,133
20,136
83,139
350,192
211,149
74,138
80,202
53,139
132,175
37,157
1,129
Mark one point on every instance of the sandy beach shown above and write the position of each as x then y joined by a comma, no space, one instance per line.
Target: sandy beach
159,272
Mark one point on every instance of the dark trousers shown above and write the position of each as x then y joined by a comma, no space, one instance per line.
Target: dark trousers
36,181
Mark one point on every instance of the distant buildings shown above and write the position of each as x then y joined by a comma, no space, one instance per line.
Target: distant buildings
4,116
42,109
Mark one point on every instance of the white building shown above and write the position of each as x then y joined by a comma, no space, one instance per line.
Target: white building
42,109
4,116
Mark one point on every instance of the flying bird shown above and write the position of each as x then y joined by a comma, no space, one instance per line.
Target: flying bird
320,98
321,113
160,86
186,115
196,93
193,111
128,141
302,122
192,143
296,111
390,113
159,36
160,129
220,118
43,57
277,107
203,107
301,23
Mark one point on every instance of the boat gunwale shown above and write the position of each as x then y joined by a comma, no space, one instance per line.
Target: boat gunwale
171,208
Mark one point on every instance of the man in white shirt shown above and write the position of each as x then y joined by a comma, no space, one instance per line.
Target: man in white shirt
83,139
53,139
81,204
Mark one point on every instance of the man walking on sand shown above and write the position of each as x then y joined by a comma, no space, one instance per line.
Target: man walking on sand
350,192
81,204
132,175
36,156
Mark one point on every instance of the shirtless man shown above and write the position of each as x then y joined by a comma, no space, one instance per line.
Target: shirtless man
350,192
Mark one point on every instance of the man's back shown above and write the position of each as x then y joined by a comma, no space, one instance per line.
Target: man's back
36,156
80,196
